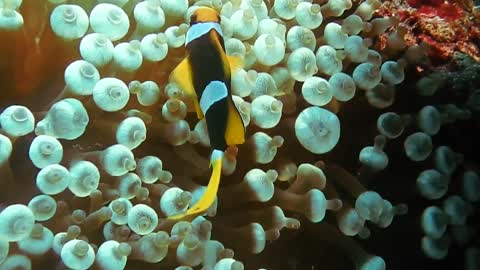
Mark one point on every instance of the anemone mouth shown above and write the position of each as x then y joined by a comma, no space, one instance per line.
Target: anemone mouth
321,88
305,37
44,207
179,204
269,40
134,46
155,170
133,187
161,240
87,71
182,29
119,208
276,106
20,225
248,14
392,123
37,233
160,39
181,229
138,135
47,148
128,164
318,128
54,176
78,216
115,92
373,72
80,119
292,4
114,16
173,91
173,106
69,15
347,86
20,114
329,56
183,200
100,41
88,182
347,28
80,249
144,222
315,9
191,241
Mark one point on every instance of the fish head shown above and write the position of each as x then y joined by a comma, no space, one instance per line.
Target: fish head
204,14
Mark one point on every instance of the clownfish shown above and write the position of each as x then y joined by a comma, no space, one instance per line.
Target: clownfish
205,75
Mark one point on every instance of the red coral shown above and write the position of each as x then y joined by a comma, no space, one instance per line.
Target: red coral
445,25
447,11
419,3
438,51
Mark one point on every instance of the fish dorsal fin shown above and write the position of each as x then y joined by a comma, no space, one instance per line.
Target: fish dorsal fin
215,38
182,75
235,132
235,63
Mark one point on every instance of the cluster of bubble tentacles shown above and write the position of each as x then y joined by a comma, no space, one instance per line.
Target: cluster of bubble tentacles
448,181
115,153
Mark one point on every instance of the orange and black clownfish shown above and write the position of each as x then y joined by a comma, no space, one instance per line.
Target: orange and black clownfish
205,75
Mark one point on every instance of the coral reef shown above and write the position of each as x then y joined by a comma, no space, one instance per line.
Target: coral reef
348,127
445,26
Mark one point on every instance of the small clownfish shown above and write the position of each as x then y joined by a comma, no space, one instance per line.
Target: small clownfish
205,76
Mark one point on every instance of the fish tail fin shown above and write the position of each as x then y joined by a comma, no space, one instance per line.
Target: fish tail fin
210,192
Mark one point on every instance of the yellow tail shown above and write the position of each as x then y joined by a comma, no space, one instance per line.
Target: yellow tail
208,197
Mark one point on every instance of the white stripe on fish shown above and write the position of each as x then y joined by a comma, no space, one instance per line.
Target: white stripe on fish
199,29
215,91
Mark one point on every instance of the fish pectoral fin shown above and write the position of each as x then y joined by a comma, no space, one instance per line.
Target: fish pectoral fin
236,63
182,75
208,197
235,132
